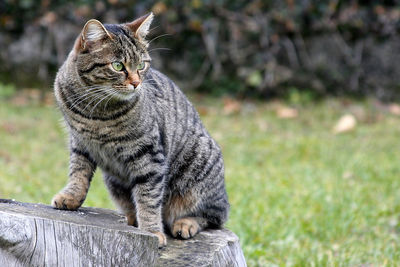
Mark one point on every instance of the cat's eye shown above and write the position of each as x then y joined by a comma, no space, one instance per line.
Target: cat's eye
118,66
140,66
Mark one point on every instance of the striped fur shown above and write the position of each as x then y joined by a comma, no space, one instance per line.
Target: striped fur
162,168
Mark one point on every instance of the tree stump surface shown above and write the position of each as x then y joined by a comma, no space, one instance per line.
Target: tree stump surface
39,235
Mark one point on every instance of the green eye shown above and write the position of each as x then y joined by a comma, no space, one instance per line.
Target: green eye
140,66
118,66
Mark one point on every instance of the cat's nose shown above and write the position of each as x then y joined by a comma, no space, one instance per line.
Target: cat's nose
135,83
134,79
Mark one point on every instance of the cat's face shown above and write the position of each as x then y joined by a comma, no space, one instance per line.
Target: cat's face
113,58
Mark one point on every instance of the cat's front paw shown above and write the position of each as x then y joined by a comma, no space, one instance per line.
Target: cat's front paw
162,239
66,201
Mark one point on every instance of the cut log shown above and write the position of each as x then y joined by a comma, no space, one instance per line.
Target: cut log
38,235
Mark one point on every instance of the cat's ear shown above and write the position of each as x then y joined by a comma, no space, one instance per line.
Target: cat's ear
92,32
140,27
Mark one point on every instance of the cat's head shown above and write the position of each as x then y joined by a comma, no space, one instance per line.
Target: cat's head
113,56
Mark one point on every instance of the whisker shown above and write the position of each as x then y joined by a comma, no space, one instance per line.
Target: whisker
85,97
155,38
89,89
92,99
154,28
147,83
152,82
86,93
159,48
101,100
100,95
91,86
112,95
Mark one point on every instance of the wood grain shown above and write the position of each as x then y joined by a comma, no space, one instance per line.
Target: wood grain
38,235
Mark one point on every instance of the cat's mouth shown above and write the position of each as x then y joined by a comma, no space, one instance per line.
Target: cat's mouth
126,91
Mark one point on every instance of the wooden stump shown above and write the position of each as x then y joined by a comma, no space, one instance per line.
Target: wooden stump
38,235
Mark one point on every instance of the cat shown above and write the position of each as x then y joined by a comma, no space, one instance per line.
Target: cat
160,165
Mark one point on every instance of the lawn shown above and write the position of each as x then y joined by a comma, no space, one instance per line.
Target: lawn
300,194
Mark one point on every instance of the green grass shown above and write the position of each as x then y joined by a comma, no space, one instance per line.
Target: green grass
300,195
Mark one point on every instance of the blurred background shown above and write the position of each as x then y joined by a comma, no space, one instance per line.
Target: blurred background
262,48
303,97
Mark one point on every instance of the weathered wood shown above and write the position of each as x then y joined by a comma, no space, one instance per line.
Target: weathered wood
209,248
38,235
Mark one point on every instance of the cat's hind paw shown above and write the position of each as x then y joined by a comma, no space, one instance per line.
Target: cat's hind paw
185,228
66,201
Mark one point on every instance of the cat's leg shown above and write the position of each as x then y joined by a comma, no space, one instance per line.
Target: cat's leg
122,197
148,200
212,213
81,171
178,215
205,205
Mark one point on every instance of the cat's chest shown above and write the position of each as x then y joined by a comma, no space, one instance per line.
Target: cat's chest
95,132
107,159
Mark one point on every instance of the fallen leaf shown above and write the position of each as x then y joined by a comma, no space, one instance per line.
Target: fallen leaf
231,105
347,175
49,99
394,109
19,100
286,113
345,124
202,110
8,127
5,156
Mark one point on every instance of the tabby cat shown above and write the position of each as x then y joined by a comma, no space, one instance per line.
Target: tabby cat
160,165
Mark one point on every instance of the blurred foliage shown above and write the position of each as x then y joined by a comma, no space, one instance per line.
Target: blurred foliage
259,47
296,97
6,91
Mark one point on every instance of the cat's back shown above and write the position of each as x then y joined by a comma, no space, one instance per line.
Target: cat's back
164,90
170,102
180,123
